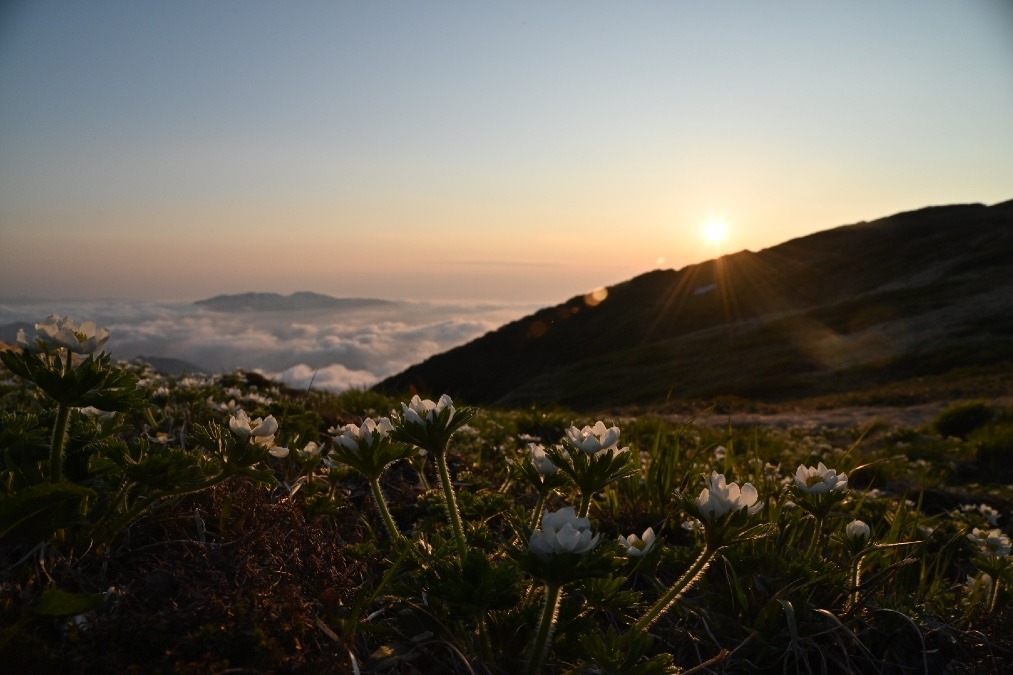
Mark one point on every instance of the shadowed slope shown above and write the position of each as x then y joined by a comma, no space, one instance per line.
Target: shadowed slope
913,294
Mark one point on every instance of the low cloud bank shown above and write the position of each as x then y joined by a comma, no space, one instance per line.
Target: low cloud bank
331,349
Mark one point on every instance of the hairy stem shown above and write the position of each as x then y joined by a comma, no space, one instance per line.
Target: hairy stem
381,506
452,511
585,504
816,537
537,515
993,593
856,579
59,440
546,625
60,431
694,572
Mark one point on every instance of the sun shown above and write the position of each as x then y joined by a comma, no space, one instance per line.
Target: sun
715,232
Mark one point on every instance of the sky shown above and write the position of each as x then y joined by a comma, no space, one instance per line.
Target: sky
509,152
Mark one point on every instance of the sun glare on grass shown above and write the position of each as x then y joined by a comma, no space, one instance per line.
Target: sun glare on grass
715,232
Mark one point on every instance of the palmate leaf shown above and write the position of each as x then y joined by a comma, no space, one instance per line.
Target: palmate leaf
92,382
592,473
168,469
116,392
36,512
433,435
232,456
24,443
473,587
23,364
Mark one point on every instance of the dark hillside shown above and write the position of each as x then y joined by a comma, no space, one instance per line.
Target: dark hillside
916,293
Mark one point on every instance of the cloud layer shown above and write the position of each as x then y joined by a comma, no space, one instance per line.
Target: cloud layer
332,349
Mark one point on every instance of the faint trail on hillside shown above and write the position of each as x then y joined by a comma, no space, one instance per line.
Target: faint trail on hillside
854,416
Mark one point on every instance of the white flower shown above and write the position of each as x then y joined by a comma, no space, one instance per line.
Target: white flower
992,515
857,530
539,459
638,546
691,525
229,407
60,332
722,497
562,532
819,479
419,411
261,430
311,449
95,413
278,452
983,583
254,397
992,542
349,436
596,439
719,453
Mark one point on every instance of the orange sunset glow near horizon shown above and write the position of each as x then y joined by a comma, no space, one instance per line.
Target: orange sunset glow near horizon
519,152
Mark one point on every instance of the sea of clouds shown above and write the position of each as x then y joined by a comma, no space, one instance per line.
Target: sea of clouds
332,349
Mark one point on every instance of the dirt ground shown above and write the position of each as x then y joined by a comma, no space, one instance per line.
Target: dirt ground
843,417
857,416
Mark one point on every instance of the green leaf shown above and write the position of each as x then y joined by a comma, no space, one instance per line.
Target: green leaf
33,514
168,469
56,602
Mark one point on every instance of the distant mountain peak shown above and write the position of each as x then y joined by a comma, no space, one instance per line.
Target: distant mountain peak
275,302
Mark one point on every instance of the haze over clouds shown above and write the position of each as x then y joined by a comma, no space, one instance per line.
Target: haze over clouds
333,349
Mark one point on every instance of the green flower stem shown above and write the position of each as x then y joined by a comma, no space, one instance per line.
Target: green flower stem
816,537
486,643
452,511
59,432
539,507
993,593
546,625
381,506
856,579
59,440
585,504
681,586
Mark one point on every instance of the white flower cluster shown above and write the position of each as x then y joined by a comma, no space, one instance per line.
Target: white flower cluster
722,497
350,435
562,532
540,460
419,411
638,546
819,479
62,333
991,542
260,431
595,440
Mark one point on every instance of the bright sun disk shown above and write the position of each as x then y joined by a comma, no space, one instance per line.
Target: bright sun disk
715,232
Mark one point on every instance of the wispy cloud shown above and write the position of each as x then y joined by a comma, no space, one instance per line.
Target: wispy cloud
334,350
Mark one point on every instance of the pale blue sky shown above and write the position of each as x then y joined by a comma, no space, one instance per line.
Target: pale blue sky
510,151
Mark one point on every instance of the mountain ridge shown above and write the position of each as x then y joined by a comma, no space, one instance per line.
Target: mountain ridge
915,293
275,302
